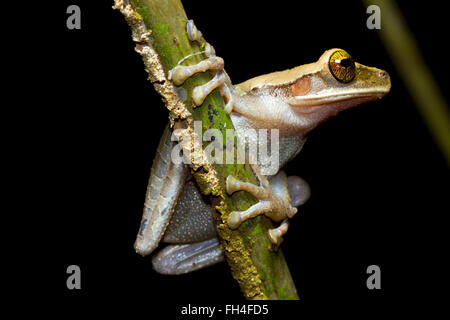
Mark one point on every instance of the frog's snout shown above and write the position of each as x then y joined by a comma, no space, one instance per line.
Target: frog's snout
381,80
383,74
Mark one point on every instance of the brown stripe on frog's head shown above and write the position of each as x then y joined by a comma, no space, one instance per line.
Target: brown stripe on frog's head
299,87
302,86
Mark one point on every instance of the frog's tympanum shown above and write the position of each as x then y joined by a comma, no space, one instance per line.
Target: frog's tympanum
294,101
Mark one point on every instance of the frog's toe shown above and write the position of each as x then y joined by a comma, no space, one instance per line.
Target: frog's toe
227,96
229,107
233,185
237,217
234,219
178,75
276,234
200,93
192,32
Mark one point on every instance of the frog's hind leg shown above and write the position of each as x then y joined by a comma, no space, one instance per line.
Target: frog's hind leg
161,198
191,235
192,219
184,258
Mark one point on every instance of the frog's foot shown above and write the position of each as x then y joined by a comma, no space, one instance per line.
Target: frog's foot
184,258
213,63
299,193
276,234
278,199
274,199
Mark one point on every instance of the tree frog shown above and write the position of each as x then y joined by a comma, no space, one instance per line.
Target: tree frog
294,101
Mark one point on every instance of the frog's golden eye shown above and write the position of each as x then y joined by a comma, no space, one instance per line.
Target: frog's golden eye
342,66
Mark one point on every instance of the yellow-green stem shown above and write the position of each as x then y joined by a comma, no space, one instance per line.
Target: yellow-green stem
260,272
406,56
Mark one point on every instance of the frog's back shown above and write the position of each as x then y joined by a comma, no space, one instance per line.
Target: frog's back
277,78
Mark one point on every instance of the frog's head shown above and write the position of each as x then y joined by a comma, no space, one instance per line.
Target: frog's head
332,84
297,100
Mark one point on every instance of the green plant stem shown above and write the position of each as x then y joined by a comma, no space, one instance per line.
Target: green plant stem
260,272
419,81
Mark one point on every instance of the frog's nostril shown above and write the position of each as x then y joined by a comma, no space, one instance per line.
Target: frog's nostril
382,74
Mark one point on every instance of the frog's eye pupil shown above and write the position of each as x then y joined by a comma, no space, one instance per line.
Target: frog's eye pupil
346,63
342,66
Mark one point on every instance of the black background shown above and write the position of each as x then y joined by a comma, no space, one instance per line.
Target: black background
379,183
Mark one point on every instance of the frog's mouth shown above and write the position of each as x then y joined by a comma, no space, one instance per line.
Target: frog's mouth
315,111
329,97
334,103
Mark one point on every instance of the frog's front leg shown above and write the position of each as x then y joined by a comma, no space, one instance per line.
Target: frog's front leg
278,199
214,64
